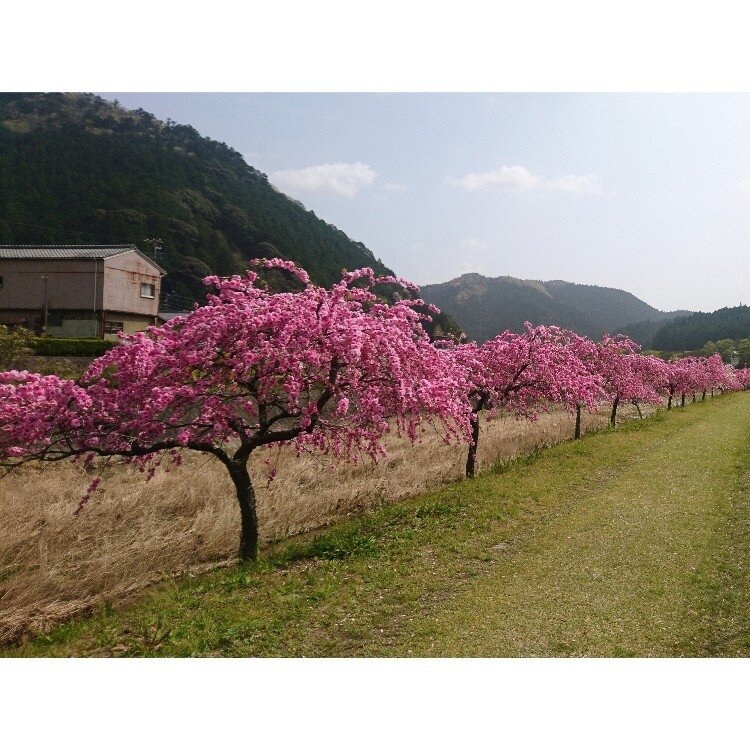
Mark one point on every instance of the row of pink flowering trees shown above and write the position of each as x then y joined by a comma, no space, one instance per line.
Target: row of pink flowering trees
521,374
324,370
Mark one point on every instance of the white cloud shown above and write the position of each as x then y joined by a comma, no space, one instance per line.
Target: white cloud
512,177
339,179
745,184
519,178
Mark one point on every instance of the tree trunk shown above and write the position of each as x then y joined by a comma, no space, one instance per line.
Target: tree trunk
577,434
682,402
471,461
669,402
613,416
704,396
712,393
638,409
246,498
693,396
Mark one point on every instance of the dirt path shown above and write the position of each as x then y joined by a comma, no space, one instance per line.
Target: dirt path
646,564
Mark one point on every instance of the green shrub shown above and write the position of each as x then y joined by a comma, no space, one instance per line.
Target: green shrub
14,343
54,347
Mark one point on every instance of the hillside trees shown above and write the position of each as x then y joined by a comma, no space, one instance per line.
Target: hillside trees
728,348
329,371
74,168
692,332
486,306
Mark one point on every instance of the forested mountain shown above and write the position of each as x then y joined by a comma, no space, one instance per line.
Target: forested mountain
692,332
75,168
485,306
644,331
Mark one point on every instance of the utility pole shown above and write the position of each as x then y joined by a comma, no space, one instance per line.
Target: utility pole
46,305
156,247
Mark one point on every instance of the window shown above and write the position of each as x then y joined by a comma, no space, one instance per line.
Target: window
1,282
148,290
113,326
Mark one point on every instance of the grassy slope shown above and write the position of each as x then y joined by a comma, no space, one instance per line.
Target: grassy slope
626,543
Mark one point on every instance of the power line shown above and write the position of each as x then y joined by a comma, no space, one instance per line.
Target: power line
156,247
178,298
175,302
73,231
155,243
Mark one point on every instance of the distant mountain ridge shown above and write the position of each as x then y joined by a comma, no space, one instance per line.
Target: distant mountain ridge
484,306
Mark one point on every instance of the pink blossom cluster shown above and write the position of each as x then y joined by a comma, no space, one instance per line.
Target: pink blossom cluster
521,373
687,375
527,372
743,377
330,370
37,411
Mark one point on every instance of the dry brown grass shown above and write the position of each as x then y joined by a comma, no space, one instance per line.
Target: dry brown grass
54,565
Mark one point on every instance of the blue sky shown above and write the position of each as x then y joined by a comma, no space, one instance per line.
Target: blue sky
644,192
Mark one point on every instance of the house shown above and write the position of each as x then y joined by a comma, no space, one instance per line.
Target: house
78,290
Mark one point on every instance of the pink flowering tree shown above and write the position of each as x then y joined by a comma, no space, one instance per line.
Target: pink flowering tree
690,373
743,378
698,374
651,372
731,381
627,376
521,374
587,351
330,371
706,370
672,380
717,376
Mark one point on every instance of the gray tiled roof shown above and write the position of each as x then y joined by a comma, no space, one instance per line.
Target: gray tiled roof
165,316
57,252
